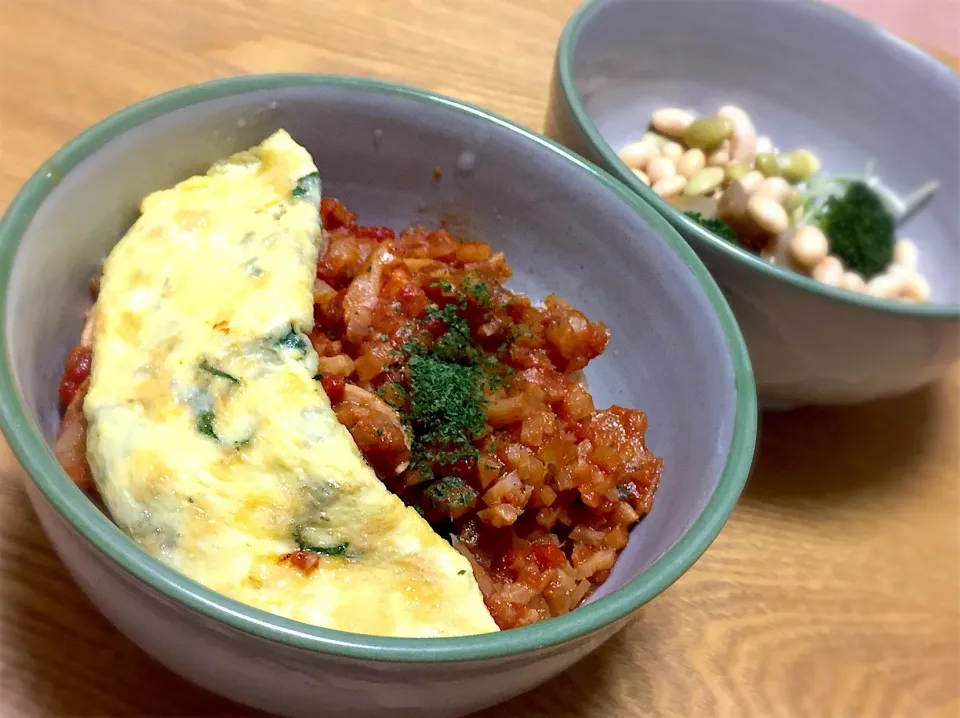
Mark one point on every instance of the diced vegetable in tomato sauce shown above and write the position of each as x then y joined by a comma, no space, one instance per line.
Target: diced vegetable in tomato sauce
543,498
75,371
469,403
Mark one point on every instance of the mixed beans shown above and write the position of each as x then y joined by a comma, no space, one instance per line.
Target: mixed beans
718,168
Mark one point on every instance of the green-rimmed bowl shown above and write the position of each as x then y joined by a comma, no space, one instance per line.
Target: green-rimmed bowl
564,225
810,76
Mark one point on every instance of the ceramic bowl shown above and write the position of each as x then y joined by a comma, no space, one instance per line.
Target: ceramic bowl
810,76
676,352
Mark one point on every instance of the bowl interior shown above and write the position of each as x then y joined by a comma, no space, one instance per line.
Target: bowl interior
563,228
809,76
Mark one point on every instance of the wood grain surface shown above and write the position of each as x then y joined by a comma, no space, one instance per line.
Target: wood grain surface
834,590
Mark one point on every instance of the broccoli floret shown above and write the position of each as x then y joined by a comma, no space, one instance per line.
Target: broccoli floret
718,227
860,229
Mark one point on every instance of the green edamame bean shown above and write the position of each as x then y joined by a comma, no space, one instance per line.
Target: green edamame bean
768,165
736,171
706,133
704,181
798,166
793,201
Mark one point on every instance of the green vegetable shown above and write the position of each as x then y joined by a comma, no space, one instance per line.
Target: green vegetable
304,544
793,202
339,550
703,182
451,496
307,185
205,424
461,572
768,164
291,340
706,133
217,372
860,229
736,170
798,166
718,227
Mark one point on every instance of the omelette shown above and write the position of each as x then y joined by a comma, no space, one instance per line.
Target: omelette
209,438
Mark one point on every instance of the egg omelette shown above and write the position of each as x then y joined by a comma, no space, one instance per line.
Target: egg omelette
210,440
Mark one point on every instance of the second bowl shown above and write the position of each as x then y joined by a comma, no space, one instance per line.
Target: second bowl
810,76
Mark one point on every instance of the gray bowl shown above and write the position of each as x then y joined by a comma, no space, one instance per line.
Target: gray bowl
676,352
810,76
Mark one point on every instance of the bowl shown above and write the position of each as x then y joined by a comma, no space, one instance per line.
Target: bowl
810,76
676,352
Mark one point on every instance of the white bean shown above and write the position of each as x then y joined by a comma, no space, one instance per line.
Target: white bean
720,157
765,146
914,287
768,214
886,285
743,142
658,140
660,168
670,186
829,271
776,251
672,150
906,254
776,188
751,180
637,155
642,176
808,247
692,162
852,282
671,121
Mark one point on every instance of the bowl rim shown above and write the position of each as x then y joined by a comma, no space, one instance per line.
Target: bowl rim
614,165
35,455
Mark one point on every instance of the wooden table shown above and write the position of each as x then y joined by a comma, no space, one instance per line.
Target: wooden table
833,591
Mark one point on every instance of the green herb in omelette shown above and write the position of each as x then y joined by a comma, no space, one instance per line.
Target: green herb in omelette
291,340
205,366
307,185
304,544
205,424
